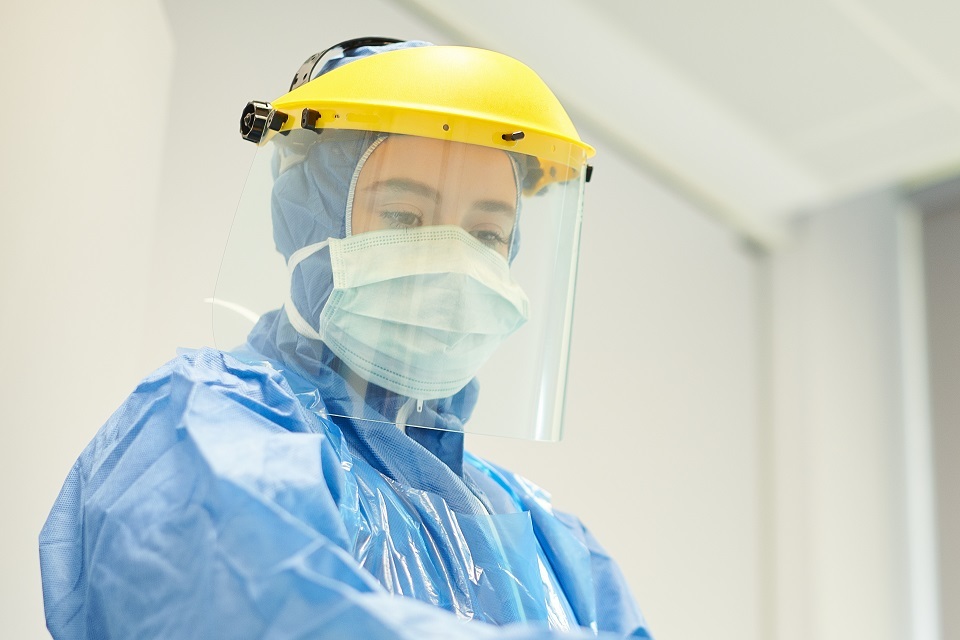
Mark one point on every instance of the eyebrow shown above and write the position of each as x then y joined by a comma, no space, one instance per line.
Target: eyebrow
496,206
405,185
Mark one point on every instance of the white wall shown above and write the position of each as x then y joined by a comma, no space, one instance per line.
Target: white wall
84,88
853,519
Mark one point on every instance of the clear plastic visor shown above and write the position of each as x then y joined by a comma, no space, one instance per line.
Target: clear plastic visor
407,280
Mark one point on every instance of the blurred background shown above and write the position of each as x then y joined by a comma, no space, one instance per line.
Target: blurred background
763,417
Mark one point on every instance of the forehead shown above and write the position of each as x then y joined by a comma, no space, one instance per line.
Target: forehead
431,160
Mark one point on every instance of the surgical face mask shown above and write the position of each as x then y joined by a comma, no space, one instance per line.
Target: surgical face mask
415,311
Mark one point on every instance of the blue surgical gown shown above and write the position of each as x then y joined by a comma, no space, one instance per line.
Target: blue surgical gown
222,501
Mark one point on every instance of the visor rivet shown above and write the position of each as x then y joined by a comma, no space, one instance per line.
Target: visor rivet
309,118
446,127
277,120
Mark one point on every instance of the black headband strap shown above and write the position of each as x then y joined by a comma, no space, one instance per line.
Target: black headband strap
305,73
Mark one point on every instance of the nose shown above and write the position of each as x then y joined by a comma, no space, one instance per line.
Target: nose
450,211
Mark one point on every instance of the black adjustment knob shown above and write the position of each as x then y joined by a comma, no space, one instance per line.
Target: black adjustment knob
253,120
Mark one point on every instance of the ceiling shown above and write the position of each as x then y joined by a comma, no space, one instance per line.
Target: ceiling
753,110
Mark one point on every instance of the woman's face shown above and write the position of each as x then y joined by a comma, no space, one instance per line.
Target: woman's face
412,182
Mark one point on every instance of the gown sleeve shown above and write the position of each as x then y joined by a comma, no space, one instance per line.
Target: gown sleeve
209,505
616,611
592,581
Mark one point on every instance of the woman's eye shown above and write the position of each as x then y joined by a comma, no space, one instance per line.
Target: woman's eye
493,239
400,218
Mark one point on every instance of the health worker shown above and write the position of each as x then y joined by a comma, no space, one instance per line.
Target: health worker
408,237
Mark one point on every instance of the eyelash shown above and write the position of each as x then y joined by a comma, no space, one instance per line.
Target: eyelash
402,219
406,219
490,238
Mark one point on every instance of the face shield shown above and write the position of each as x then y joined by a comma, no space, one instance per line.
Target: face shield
407,261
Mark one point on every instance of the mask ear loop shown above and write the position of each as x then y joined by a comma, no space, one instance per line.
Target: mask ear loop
348,214
293,314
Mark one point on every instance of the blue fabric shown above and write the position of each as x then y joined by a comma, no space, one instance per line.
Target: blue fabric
221,501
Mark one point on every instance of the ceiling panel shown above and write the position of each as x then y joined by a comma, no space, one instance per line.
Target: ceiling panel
911,147
871,121
929,25
787,66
